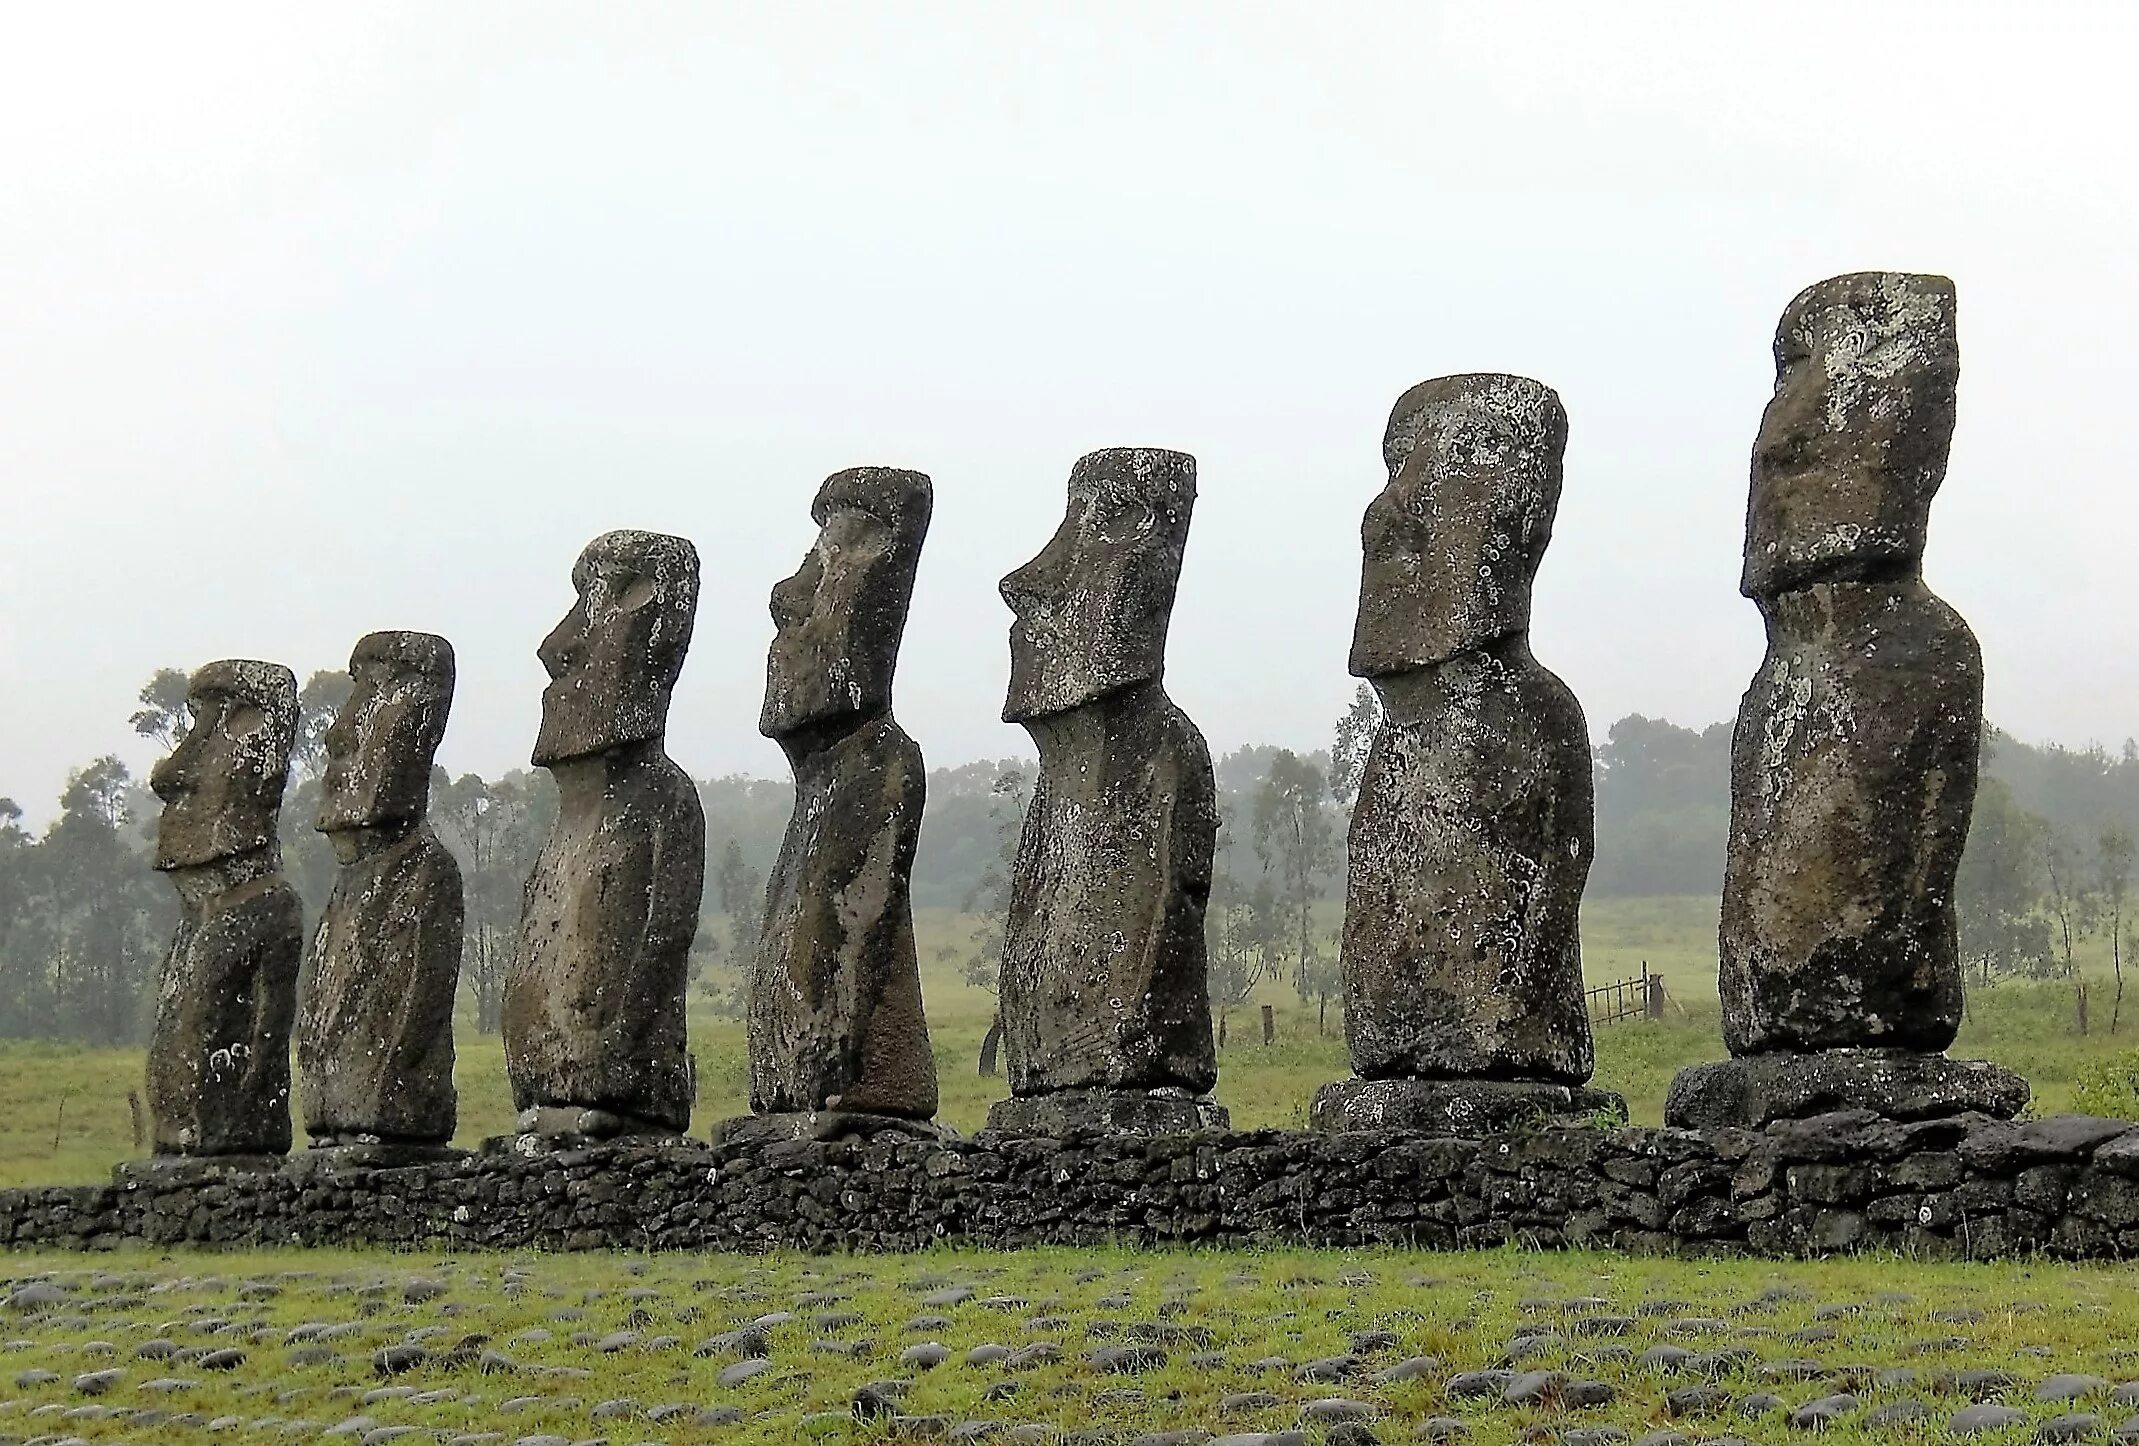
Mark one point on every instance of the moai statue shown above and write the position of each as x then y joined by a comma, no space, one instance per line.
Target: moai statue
1105,993
1471,837
375,1022
594,996
219,1055
838,1041
1853,767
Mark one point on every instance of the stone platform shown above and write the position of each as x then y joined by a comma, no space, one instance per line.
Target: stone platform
1965,1186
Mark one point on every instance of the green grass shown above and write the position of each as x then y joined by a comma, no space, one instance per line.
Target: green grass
64,1115
2031,1320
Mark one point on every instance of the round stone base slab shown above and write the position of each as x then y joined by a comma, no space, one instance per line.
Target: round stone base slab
370,1155
1461,1107
167,1170
824,1125
586,1122
1899,1084
1107,1112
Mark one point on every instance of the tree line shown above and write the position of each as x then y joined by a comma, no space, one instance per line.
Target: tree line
84,921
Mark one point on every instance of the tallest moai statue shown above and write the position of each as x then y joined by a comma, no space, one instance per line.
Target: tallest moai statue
1853,767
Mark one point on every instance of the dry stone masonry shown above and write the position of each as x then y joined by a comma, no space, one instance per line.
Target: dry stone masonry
1105,994
838,1042
219,1054
1853,767
375,1025
594,996
1959,1186
1471,839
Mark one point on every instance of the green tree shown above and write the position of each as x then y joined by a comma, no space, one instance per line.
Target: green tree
318,702
1355,738
163,714
1294,838
2074,909
2113,863
988,899
1998,897
495,830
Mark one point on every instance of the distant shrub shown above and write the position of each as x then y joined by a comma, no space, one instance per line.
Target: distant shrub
2109,1086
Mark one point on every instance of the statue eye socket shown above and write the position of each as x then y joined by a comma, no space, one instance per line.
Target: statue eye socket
243,720
636,594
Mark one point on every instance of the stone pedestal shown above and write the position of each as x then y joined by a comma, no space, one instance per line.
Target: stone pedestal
1107,1112
1464,1107
342,1155
169,1171
823,1125
1898,1084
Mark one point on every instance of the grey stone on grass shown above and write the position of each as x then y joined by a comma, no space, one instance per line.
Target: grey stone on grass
1974,1420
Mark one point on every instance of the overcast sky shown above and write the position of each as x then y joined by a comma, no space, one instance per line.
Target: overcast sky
316,319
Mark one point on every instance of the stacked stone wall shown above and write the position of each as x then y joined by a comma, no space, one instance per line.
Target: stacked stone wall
1966,1186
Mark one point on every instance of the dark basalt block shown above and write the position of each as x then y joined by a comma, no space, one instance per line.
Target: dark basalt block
1462,1107
824,1125
1898,1084
1066,1113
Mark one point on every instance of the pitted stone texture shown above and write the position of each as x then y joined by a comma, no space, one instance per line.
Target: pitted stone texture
1092,609
1853,445
375,1028
1066,1114
1457,1106
1854,761
835,1017
594,997
1472,837
1470,845
1104,982
1898,1085
1853,772
1454,541
218,1078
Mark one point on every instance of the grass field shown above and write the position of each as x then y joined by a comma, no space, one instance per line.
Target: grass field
625,1348
64,1116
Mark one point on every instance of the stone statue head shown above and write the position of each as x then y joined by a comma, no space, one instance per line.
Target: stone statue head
839,618
1853,444
380,748
222,785
1453,542
1092,609
614,658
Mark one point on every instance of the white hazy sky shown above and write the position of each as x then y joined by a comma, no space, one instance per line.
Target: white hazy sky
316,319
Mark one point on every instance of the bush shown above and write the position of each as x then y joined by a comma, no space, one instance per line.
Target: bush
2109,1087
